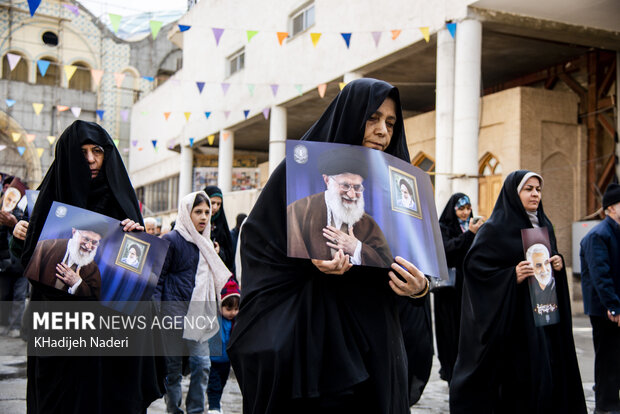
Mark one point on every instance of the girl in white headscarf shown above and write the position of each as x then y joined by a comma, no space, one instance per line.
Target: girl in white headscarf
190,283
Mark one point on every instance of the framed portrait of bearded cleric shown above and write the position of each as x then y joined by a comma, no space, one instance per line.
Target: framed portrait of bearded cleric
77,253
543,294
345,197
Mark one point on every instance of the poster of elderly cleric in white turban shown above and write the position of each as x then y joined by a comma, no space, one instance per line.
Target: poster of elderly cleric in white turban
88,255
345,196
542,286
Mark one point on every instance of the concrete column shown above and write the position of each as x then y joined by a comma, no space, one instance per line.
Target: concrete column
186,171
351,76
225,160
444,117
467,108
277,136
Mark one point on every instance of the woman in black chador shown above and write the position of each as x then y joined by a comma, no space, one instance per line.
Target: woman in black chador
219,227
457,231
88,172
505,363
323,336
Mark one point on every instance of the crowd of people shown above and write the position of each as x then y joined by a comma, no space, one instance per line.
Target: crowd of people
346,329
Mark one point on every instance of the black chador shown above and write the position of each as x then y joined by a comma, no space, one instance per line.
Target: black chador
505,363
305,341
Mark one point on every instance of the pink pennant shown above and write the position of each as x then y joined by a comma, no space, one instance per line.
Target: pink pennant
13,60
226,113
125,114
376,36
73,9
322,88
97,74
225,87
119,78
30,137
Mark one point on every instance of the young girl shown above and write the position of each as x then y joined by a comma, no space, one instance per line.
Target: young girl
190,283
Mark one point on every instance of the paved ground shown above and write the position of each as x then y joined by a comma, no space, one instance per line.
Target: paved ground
433,401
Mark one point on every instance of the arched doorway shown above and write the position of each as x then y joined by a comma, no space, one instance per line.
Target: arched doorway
489,184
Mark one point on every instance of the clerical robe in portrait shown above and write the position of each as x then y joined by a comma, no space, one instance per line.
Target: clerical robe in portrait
306,219
42,268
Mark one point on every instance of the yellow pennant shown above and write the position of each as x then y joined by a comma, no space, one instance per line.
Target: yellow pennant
51,139
425,33
187,115
37,108
341,85
322,88
40,152
211,138
315,38
16,136
70,71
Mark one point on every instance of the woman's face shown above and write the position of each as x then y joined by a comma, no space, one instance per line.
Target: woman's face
380,126
463,212
530,194
200,216
94,157
216,203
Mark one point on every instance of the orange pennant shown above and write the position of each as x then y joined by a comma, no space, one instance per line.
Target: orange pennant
282,36
322,88
119,78
395,34
225,135
30,137
315,38
97,74
62,108
167,115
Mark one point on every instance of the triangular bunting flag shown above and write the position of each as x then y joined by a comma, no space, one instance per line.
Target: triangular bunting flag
40,152
274,89
376,37
76,111
341,85
282,36
134,142
125,114
125,150
33,5
251,34
2,147
51,139
395,34
140,148
210,139
73,9
246,112
207,114
451,28
37,108
16,136
13,60
187,115
200,86
62,108
148,78
97,74
155,27
191,142
21,150
144,113
119,78
154,142
322,88
116,141
184,28
425,33
266,113
43,66
100,112
226,113
299,89
347,38
30,137
225,87
69,71
225,135
167,115
251,89
10,102
115,21
217,33
315,38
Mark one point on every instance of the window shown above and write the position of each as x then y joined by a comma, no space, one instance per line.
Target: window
425,163
160,196
50,39
236,62
302,19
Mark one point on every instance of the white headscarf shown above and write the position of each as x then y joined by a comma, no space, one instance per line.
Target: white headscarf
211,275
533,216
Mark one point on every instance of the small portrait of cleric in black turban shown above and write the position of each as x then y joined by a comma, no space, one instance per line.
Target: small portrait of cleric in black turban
132,253
404,192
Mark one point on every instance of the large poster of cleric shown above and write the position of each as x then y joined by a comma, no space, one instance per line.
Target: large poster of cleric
368,203
88,255
542,286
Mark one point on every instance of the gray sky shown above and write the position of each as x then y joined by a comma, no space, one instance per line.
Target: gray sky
127,8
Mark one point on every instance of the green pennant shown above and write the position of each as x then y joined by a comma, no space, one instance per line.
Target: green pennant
115,21
155,27
251,89
251,34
